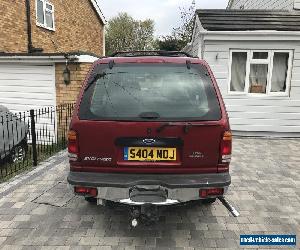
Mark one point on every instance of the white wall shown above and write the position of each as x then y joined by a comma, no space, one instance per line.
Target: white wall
194,47
297,4
263,4
196,40
252,113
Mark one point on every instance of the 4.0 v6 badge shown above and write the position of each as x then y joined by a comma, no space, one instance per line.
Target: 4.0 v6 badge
93,158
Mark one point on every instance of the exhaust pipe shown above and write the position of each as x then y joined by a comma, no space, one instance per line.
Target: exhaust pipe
229,207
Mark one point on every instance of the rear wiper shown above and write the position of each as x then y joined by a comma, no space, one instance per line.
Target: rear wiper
163,126
169,124
186,126
149,115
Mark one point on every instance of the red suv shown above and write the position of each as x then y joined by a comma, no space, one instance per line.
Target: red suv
150,128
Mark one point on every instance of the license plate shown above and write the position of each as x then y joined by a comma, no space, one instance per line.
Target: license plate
149,154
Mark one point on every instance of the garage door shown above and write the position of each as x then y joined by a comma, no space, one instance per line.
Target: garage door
27,86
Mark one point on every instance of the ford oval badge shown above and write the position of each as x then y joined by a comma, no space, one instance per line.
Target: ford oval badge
149,141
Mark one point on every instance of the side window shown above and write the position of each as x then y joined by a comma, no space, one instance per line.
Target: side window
260,72
45,14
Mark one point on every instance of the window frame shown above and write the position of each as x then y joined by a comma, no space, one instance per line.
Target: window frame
269,62
45,10
86,100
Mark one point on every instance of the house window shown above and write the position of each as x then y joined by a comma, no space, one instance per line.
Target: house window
238,71
45,14
260,72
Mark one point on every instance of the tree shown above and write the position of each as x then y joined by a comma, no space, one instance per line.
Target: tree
124,33
169,43
185,31
181,35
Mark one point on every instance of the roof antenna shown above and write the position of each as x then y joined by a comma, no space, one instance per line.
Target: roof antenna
188,64
111,64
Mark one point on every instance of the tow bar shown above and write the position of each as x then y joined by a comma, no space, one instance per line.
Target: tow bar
146,214
229,207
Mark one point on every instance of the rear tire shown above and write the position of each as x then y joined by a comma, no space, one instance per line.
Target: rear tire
209,201
91,199
19,152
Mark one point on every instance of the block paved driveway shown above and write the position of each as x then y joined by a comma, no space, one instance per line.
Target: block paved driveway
38,211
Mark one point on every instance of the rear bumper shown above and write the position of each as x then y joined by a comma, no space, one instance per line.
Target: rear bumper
179,188
166,180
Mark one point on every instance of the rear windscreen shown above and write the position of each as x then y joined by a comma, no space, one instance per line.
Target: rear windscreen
158,91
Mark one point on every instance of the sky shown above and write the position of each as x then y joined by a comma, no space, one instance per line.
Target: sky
165,13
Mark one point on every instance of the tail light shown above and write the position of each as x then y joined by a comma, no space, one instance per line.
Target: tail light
204,193
93,192
225,149
73,145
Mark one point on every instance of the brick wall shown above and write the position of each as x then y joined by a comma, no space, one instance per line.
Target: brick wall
69,93
77,27
13,35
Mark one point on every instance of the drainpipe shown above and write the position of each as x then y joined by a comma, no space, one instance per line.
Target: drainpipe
31,49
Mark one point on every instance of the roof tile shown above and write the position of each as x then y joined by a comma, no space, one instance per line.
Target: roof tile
242,20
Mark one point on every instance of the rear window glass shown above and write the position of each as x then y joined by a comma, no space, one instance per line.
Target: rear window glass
150,91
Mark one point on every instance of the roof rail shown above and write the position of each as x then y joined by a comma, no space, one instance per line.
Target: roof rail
136,53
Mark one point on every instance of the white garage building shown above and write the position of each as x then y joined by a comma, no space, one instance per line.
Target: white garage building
30,81
34,81
255,56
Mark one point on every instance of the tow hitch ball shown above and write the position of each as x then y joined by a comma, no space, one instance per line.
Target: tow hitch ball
144,214
135,215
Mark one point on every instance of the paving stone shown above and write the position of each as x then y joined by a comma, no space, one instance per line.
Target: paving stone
196,242
216,226
209,243
165,242
41,210
181,242
230,235
5,224
227,243
22,218
62,248
213,234
48,247
89,241
2,239
101,248
81,248
109,241
56,241
202,226
265,190
7,232
11,247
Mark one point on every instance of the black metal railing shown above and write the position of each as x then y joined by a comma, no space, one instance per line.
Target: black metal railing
27,138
